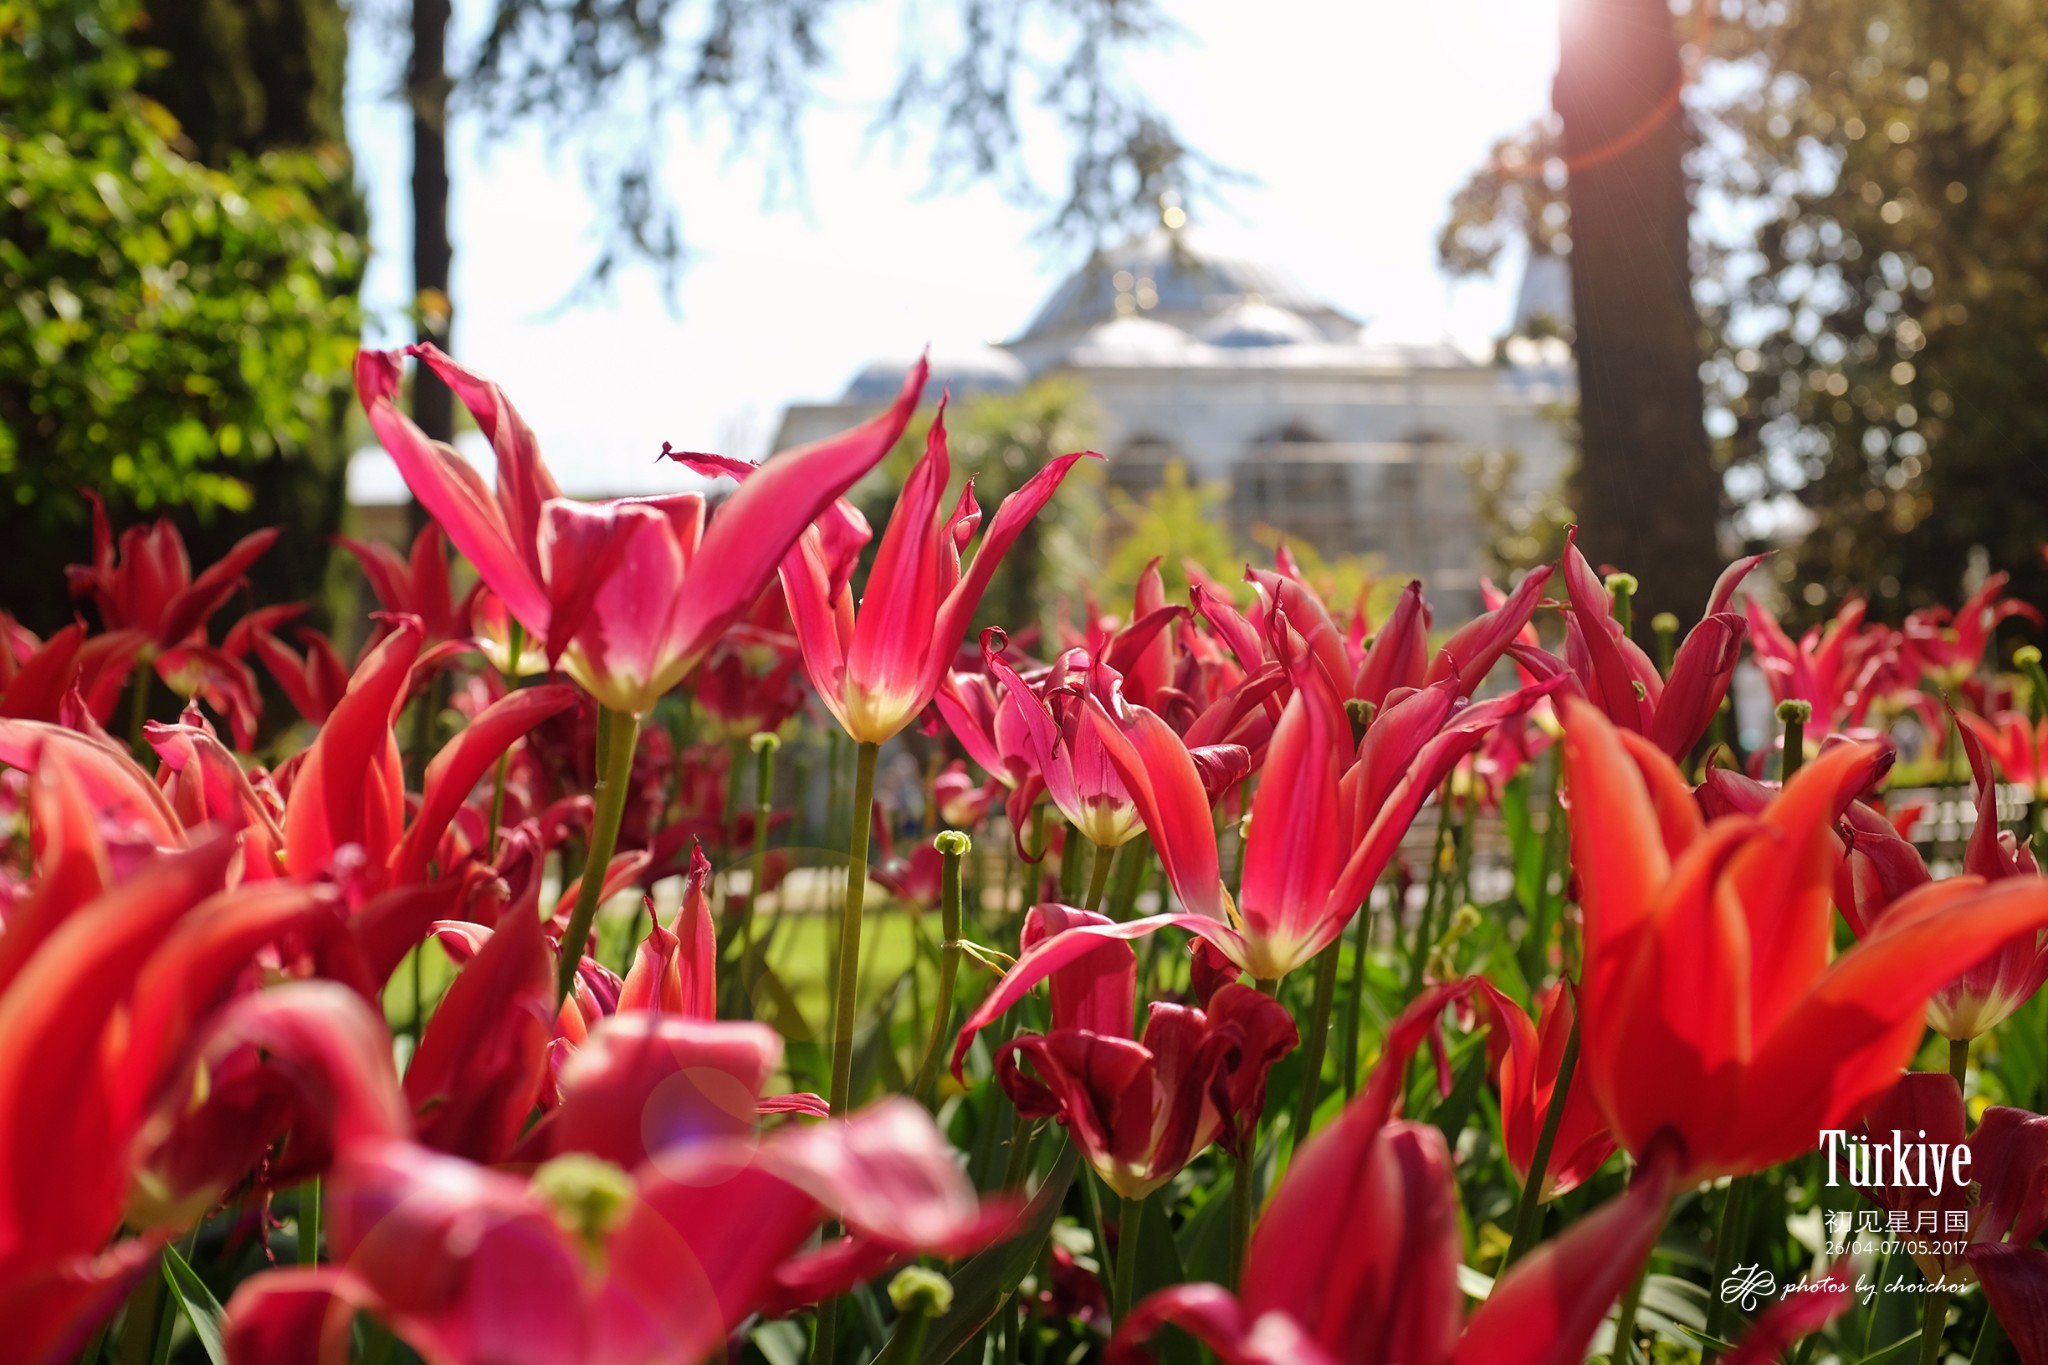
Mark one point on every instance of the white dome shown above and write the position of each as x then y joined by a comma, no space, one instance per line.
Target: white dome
1167,275
1255,322
1132,341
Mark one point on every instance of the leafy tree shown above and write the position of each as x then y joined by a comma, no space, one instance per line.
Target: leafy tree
1870,262
1880,302
169,326
1180,522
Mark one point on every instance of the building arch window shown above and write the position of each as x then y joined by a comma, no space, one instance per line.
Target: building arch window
1139,468
1295,482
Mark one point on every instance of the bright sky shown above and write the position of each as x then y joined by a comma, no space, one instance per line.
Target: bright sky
1356,118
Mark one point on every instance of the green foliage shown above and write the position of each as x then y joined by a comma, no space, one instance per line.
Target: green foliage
1179,523
1872,267
1883,332
166,323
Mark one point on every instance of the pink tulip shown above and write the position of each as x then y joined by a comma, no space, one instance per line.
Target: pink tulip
632,592
1328,815
1140,1108
1315,1292
876,667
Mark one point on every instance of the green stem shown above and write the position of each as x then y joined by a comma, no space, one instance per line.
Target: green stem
1529,1218
906,1343
1317,1041
843,1001
1625,1320
145,1315
1098,876
138,710
309,1222
618,732
1959,1062
1243,1199
1130,877
1794,714
1933,1323
1354,1005
511,679
1243,1204
1727,1246
951,845
1419,953
765,744
1129,1222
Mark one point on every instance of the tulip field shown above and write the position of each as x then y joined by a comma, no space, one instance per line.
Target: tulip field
1246,976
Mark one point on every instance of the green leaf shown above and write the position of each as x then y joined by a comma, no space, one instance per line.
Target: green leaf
781,1342
201,1309
978,1284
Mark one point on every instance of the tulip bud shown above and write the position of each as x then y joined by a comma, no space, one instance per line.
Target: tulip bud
2028,660
1622,588
1794,714
952,843
920,1295
1666,626
923,1292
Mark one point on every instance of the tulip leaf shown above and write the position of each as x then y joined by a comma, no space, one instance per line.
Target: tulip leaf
1159,1267
780,1342
201,1309
980,1282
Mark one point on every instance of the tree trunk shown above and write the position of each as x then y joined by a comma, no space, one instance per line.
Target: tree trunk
1647,494
427,87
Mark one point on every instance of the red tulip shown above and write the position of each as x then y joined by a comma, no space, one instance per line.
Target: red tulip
1316,1292
875,668
147,584
105,986
588,1260
1139,1108
2016,744
631,593
37,675
1530,1054
1839,668
2002,1199
1039,737
675,968
416,584
1614,673
748,683
1710,1010
1947,650
477,1074
1328,815
1878,866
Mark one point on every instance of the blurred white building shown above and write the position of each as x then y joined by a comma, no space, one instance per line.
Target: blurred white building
1321,433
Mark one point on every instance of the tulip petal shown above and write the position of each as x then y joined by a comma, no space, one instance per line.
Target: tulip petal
1165,785
350,787
2015,1281
477,1073
461,764
455,495
1842,1045
758,524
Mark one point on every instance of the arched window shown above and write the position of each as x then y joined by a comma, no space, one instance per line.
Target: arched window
1140,467
1295,482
